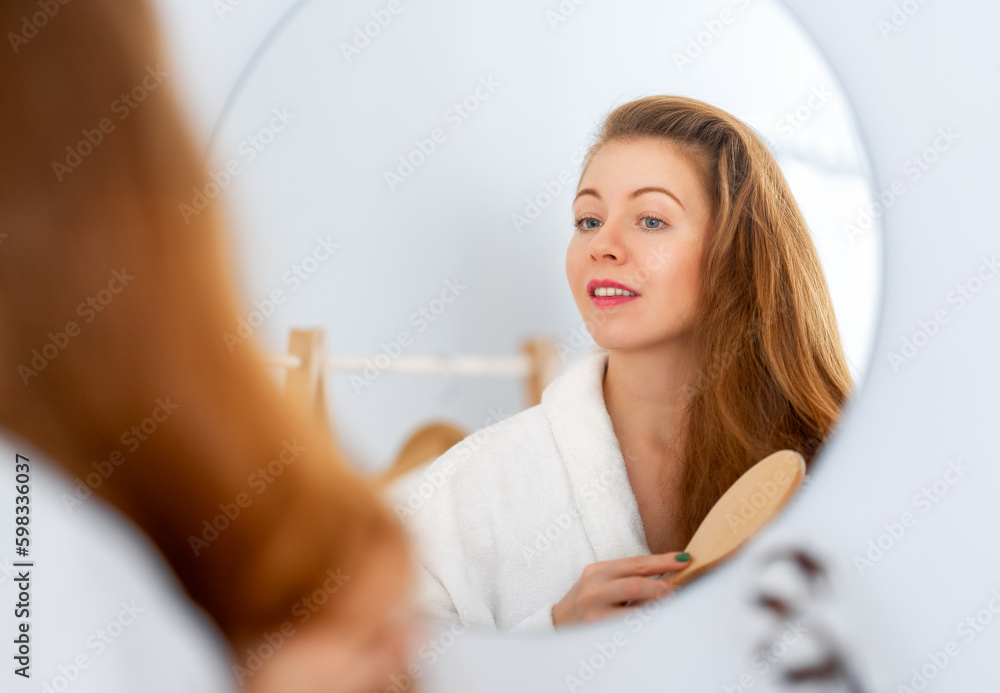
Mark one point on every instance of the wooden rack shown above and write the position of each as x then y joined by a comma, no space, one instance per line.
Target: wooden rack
307,363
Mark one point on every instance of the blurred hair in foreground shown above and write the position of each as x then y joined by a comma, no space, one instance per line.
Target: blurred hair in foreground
79,218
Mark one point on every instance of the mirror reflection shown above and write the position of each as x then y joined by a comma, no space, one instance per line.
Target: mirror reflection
566,273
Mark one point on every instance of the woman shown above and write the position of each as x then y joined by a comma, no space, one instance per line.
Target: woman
114,310
694,272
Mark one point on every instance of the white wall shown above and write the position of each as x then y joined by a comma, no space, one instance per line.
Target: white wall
543,87
897,438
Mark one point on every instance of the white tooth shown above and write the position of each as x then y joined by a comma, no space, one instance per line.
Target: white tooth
619,292
602,291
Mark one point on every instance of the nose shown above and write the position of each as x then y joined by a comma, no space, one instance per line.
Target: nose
608,244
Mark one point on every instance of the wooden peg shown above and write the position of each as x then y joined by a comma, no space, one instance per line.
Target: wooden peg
304,385
545,365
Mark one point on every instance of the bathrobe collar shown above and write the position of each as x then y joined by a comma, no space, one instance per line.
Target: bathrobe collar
574,405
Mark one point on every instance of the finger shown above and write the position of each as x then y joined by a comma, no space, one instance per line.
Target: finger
635,589
617,611
654,564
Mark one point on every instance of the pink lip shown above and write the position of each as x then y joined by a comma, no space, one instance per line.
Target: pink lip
608,301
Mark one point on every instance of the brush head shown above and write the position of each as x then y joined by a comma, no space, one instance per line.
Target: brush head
754,500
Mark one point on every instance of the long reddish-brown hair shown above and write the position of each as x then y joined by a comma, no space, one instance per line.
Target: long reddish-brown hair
771,370
91,185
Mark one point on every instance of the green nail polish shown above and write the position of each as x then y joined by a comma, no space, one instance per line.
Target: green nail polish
683,557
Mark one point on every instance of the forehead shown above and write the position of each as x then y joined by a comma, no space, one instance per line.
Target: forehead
621,166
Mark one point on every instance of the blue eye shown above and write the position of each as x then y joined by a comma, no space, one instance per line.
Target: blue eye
652,223
587,223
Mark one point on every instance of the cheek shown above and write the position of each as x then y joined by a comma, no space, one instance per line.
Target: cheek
678,281
575,265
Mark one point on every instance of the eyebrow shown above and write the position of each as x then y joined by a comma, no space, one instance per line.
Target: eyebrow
634,194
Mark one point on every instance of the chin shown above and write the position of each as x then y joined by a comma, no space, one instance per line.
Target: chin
618,342
622,340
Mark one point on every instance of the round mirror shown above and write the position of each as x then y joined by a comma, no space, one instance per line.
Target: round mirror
402,176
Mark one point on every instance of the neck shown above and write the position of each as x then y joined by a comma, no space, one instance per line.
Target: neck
645,393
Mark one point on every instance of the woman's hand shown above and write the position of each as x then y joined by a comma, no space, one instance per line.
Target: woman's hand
609,588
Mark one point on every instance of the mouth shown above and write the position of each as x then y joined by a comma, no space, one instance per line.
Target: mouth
605,293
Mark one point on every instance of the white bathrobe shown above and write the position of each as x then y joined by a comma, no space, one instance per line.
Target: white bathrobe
505,521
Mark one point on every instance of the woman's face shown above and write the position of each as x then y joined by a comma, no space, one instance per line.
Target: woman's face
642,217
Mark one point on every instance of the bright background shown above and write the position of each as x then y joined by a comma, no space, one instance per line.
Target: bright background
897,437
355,113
